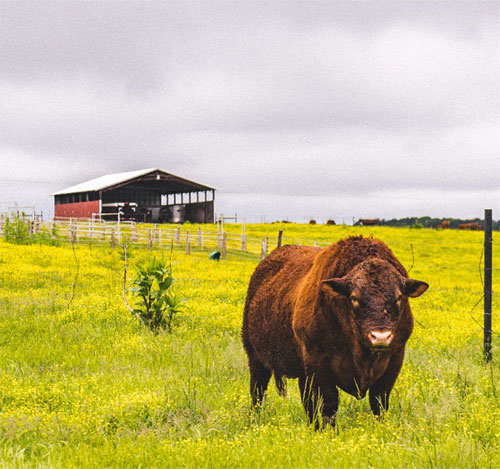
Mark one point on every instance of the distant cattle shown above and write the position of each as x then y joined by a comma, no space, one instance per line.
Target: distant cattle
368,222
470,226
445,225
334,318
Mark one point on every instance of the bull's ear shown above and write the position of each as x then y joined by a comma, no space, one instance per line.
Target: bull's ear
338,285
414,287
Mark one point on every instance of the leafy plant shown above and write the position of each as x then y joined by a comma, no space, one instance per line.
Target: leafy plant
16,230
155,304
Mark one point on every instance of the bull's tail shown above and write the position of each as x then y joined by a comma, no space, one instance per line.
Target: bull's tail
280,384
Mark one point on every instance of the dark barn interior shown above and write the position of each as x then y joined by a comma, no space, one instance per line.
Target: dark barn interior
148,196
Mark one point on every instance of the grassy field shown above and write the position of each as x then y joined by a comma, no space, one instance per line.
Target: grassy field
83,384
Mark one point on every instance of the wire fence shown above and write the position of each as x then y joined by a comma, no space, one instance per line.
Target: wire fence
231,245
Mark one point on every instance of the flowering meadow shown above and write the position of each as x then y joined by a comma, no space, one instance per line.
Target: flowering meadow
84,384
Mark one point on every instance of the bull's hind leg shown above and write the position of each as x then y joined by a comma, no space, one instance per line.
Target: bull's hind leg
259,379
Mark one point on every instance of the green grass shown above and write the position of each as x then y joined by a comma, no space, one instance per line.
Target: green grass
88,386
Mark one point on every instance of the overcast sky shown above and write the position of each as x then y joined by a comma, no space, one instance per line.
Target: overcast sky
292,110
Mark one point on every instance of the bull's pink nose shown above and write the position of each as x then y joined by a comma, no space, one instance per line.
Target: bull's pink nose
381,338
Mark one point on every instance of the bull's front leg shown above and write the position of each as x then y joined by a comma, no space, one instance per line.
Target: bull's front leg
319,395
381,389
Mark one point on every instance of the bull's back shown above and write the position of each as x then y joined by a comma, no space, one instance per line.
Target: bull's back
267,321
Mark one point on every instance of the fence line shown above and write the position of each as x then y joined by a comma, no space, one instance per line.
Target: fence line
196,239
89,229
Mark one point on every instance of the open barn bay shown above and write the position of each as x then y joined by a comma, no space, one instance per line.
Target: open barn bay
83,384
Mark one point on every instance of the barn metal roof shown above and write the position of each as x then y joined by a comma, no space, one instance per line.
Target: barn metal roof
111,180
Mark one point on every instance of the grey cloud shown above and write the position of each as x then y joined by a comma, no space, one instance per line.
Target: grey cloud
290,98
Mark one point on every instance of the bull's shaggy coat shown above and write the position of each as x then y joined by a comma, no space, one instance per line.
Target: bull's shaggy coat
317,315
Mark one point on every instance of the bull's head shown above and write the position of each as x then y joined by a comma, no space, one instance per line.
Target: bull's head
377,298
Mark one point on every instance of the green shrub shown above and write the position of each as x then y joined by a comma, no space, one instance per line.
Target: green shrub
155,303
16,230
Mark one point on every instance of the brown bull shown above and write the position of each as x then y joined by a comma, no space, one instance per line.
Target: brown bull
334,318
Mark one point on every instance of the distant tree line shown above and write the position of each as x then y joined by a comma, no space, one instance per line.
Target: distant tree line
429,222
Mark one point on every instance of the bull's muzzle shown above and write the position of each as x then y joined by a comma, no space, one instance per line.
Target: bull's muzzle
380,339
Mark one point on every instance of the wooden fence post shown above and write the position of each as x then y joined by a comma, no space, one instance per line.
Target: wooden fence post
188,243
263,252
156,233
220,236
280,237
134,233
199,241
177,235
224,246
488,241
112,243
243,242
103,230
150,239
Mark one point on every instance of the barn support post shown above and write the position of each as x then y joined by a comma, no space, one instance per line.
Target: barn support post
488,241
188,243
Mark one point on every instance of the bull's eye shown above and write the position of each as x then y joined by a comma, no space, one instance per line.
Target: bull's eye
354,301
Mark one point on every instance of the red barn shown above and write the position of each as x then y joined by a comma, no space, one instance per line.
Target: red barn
148,195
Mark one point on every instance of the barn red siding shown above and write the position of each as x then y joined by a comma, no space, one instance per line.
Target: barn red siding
77,209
